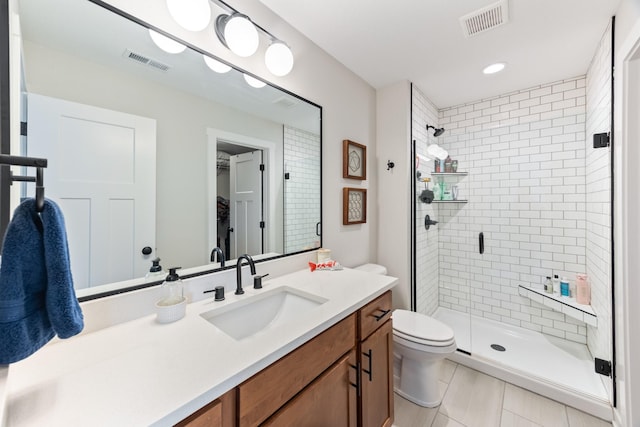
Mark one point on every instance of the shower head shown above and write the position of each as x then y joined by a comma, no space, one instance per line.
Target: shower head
436,131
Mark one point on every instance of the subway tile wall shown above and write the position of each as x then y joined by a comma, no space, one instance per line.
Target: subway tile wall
525,154
427,274
301,190
598,214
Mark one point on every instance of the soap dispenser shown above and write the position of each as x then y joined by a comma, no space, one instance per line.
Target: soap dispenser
155,272
172,306
172,288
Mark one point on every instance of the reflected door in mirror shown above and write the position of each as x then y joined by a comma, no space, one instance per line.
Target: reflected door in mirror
102,174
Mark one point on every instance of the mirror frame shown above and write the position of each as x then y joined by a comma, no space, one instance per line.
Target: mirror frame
5,140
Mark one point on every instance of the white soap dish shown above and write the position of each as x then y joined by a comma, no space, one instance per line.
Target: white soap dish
171,313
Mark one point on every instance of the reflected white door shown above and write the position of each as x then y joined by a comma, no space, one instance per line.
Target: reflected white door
245,207
102,173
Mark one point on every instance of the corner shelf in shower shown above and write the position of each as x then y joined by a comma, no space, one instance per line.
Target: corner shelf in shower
450,201
565,305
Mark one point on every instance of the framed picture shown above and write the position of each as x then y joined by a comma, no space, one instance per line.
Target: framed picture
354,160
354,206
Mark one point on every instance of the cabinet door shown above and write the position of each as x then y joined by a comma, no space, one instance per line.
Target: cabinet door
219,413
328,401
377,382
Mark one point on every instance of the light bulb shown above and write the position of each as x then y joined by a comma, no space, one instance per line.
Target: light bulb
192,15
251,81
278,59
215,65
165,43
241,35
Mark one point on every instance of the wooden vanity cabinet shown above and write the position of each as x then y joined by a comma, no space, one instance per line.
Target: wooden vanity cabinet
340,378
376,363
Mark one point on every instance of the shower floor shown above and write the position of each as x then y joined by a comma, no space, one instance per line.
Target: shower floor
547,365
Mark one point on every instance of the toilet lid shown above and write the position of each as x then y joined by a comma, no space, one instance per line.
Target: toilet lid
421,327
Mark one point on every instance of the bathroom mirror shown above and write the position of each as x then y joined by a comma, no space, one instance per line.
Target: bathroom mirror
109,109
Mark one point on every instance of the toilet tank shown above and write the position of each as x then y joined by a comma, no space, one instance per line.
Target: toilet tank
372,268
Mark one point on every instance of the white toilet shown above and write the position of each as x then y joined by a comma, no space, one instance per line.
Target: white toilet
420,344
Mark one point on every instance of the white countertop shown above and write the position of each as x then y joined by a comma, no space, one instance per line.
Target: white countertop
145,373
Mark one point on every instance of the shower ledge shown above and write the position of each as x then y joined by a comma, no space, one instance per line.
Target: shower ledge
565,305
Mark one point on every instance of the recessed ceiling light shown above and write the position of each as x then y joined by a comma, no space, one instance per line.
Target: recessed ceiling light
494,68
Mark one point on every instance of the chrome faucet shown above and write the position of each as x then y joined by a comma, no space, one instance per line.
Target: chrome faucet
252,266
218,251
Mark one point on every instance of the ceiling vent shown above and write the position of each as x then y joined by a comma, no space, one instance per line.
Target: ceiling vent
485,19
144,60
285,102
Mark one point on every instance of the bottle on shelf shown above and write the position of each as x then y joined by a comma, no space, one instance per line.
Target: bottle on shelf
556,284
564,287
548,285
583,291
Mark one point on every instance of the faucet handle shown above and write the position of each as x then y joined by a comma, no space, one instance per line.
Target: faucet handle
257,281
219,293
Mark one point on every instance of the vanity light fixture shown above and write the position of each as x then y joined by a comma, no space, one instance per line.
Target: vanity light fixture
253,82
192,15
235,31
165,43
238,33
216,65
494,68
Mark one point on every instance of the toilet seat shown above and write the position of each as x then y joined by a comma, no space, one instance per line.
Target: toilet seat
422,342
421,329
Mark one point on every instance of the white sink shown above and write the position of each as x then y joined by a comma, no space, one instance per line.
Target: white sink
262,312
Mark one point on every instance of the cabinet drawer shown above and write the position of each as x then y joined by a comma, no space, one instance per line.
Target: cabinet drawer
374,314
264,393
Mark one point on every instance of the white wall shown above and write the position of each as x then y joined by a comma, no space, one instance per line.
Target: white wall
348,113
394,191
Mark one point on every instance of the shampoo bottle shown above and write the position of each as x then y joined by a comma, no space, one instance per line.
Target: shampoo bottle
556,284
583,291
564,287
548,285
436,192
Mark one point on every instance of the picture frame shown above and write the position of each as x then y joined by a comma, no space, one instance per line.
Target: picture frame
354,160
354,206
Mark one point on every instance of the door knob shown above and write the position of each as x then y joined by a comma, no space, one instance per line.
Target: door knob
146,250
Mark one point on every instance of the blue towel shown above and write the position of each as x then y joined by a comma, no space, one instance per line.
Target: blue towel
37,299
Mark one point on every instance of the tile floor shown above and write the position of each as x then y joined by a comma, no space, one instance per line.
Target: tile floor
473,399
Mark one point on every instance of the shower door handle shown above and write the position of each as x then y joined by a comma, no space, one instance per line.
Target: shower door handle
481,242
